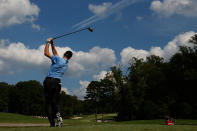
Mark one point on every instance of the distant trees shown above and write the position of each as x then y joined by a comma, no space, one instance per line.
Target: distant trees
152,88
28,98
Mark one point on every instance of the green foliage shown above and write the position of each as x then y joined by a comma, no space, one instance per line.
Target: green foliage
193,40
27,98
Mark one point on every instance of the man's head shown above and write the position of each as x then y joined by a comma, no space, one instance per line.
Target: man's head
68,55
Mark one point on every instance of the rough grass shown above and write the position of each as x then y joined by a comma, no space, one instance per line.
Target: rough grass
86,123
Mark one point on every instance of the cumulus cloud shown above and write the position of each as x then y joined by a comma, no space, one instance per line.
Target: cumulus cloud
100,76
93,61
80,93
18,57
167,52
173,46
171,7
18,12
104,10
128,53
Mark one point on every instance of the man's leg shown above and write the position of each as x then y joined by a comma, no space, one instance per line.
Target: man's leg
56,101
48,98
50,114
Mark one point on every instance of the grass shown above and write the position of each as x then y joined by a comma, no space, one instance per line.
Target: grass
86,123
108,127
17,118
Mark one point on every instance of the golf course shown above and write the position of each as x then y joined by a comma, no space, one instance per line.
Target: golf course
16,122
98,65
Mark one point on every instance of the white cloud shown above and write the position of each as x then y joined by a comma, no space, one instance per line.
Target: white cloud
167,52
80,93
37,27
100,76
171,7
156,51
65,90
100,10
18,57
104,11
173,46
129,52
93,61
17,12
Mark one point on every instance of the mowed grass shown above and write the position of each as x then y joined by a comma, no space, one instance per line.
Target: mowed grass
17,118
86,123
107,127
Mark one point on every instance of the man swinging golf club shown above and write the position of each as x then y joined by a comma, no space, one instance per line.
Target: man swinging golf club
52,83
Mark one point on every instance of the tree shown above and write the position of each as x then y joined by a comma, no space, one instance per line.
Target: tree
93,96
146,84
107,98
122,95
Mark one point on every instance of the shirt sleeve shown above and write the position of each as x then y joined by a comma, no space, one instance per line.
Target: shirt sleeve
54,59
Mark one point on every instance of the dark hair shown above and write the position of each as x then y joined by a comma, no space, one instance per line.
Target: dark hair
68,54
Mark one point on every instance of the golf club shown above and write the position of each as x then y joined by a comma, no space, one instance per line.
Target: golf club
88,28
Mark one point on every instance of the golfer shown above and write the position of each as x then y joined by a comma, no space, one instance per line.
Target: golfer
52,83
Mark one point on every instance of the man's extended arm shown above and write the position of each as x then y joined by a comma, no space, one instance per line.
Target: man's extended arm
46,51
54,49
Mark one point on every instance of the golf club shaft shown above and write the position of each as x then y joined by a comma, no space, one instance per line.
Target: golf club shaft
69,33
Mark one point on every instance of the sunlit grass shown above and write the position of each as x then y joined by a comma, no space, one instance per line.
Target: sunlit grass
87,123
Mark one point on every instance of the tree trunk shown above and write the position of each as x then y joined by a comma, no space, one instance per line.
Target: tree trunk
102,117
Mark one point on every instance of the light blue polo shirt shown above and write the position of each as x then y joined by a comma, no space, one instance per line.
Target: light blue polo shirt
58,67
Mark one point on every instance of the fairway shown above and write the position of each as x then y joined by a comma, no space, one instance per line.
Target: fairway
86,123
108,127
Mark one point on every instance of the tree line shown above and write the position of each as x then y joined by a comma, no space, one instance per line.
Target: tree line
151,89
28,98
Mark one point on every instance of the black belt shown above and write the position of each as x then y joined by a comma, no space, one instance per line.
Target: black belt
51,78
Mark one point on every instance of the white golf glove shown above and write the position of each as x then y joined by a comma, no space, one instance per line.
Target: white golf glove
49,41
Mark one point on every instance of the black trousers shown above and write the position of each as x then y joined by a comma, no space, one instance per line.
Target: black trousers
52,88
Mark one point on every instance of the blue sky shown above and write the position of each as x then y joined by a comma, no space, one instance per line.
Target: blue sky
122,29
